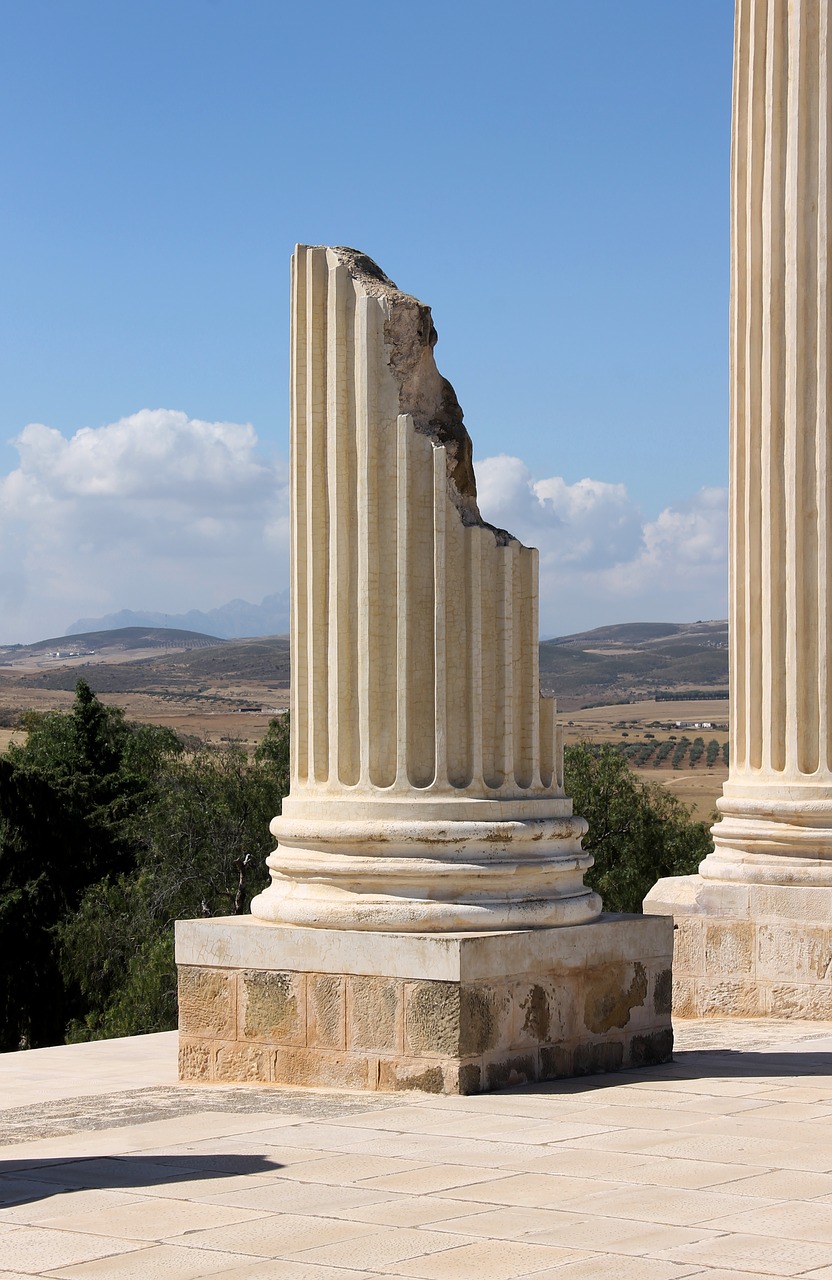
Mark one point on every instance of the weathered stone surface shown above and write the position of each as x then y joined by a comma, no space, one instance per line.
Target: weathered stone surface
589,1059
484,1019
730,999
432,1013
663,992
326,1011
243,1063
272,1007
207,1003
789,953
325,1069
729,947
611,994
685,1003
650,1049
195,1057
374,1014
801,1001
511,1069
555,1062
425,1076
427,781
689,945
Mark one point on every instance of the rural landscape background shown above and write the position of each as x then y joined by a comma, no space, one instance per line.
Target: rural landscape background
644,687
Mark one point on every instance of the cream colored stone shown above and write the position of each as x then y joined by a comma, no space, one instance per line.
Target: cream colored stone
207,1002
729,948
726,999
432,1012
195,1059
789,952
248,943
774,838
243,1062
326,1011
375,1013
272,1007
689,946
427,771
806,1000
325,1069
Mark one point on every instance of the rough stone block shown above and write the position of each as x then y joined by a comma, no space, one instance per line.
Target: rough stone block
326,1011
432,1013
593,1059
195,1059
547,1011
511,1069
689,946
611,994
685,1002
729,947
662,993
375,1014
801,1001
325,1069
437,1034
248,1063
485,1019
650,1049
555,1062
729,999
207,1003
791,952
272,1007
423,1075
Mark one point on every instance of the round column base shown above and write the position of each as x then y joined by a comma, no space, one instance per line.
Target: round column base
774,841
428,876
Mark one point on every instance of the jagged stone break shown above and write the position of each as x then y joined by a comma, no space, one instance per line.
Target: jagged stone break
427,780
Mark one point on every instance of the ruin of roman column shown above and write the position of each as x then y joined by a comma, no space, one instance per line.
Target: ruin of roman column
427,923
427,770
753,925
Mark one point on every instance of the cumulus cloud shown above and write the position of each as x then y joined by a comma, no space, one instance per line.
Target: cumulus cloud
163,512
601,561
157,510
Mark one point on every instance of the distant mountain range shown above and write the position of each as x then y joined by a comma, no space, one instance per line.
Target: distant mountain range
631,661
231,621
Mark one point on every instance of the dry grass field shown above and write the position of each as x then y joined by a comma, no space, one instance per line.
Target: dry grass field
697,787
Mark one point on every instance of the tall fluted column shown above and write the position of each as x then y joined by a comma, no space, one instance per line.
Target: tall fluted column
427,781
776,809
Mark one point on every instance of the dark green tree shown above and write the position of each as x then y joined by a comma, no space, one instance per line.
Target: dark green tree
68,801
202,850
638,831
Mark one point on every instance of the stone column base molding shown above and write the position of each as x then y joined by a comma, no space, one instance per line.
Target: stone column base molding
448,1013
748,950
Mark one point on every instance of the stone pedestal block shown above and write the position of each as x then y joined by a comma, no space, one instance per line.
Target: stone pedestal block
445,1013
748,950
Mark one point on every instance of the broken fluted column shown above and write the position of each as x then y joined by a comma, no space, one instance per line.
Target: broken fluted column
427,770
767,886
427,925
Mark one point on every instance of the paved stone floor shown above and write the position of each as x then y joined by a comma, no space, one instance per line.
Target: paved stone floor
718,1165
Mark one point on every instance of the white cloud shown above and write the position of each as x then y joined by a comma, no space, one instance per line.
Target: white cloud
157,511
163,512
601,561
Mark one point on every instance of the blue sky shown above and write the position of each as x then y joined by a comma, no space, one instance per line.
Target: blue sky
551,178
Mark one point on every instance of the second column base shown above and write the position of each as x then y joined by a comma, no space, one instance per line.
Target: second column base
748,950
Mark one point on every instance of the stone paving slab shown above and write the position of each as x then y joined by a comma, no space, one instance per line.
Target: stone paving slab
717,1166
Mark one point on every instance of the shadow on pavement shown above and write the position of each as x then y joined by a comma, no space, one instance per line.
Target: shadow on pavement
23,1181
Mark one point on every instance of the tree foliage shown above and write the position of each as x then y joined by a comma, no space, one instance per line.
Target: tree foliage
638,831
110,831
